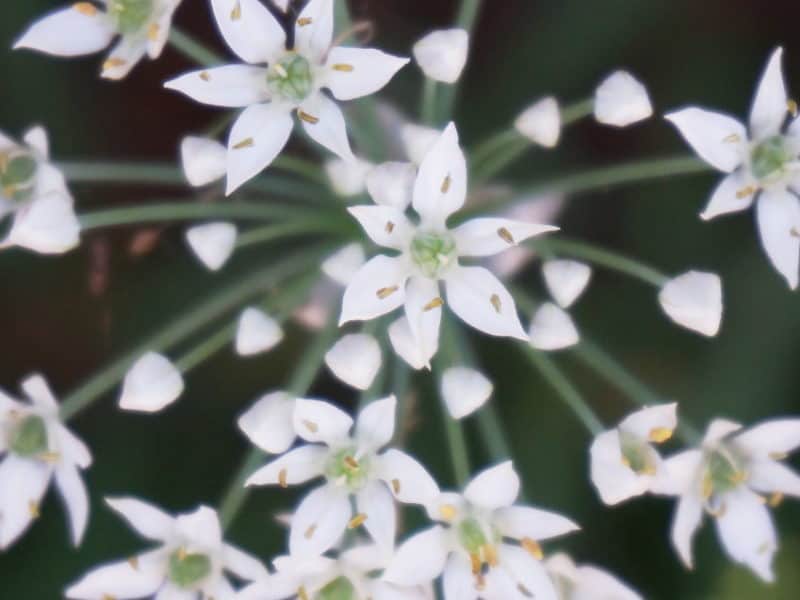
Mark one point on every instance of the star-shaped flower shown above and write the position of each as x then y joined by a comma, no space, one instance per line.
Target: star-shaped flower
584,582
38,448
430,252
762,165
487,547
85,28
353,468
276,81
190,563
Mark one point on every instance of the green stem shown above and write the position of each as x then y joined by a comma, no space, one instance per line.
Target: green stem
277,231
192,49
430,95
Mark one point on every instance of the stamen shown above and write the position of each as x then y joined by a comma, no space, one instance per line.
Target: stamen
153,31
311,426
435,303
446,184
490,555
236,13
351,462
389,227
475,562
182,554
396,486
506,236
778,455
532,547
448,512
625,461
495,300
113,63
732,139
745,192
33,509
310,532
205,76
659,435
345,68
307,117
791,106
385,292
357,521
85,8
278,67
303,21
282,475
302,594
707,488
133,561
108,597
245,143
50,457
776,499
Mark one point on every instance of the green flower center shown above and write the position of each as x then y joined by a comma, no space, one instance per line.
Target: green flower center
290,78
17,175
769,158
186,570
338,589
28,437
471,536
344,468
130,15
636,454
433,253
722,473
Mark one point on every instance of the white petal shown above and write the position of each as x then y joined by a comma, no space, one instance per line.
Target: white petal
158,30
718,430
481,301
318,421
212,243
778,215
488,236
201,526
355,72
770,476
249,29
528,572
495,487
376,289
442,54
297,466
441,185
687,519
355,359
593,582
36,139
124,56
423,309
147,520
731,195
779,436
151,384
319,521
407,347
76,499
170,591
256,332
203,160
621,100
541,122
342,266
40,394
613,479
23,483
375,500
770,104
119,580
418,141
420,559
566,280
314,29
520,522
747,533
72,449
325,124
48,225
242,564
256,139
716,138
408,480
365,557
392,184
552,328
232,86
385,225
464,391
375,424
648,423
677,473
348,178
694,300
68,32
458,582
268,423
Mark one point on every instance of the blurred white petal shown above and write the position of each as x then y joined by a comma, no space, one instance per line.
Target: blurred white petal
355,359
69,32
342,266
495,487
552,328
203,160
566,280
418,140
269,422
718,139
212,243
541,122
442,54
621,100
151,384
694,300
347,177
464,391
256,332
392,184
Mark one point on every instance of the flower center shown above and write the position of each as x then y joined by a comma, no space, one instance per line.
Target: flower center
433,253
722,473
28,437
471,536
130,15
290,78
636,454
769,159
344,469
185,570
338,589
17,175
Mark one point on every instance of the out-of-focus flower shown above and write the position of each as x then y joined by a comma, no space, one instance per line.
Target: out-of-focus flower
621,100
418,140
465,390
348,177
256,332
442,54
355,359
269,423
541,122
151,384
694,300
585,582
203,160
552,328
212,243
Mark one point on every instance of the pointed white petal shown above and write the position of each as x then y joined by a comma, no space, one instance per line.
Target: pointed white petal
342,266
694,300
232,86
146,519
319,521
158,30
718,430
242,564
256,332
124,56
495,487
519,522
256,139
48,225
355,72
592,582
418,141
385,225
621,100
23,483
441,185
527,572
392,184
375,424
687,519
464,391
769,476
407,347
778,437
68,32
212,243
375,500
770,104
458,582
420,559
355,359
778,213
718,139
731,195
325,123
170,591
40,394
651,422
314,29
120,580
203,160
423,309
201,526
72,449
297,466
250,30
541,122
408,480
318,421
268,423
151,384
488,236
442,54
747,532
566,280
613,479
552,328
348,178
481,301
376,289
76,499
36,139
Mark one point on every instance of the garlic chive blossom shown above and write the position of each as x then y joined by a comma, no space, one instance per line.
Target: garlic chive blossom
430,252
761,165
275,82
85,28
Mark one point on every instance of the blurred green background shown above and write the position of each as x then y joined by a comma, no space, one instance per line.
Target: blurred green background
69,316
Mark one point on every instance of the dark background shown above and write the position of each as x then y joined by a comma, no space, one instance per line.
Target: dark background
69,316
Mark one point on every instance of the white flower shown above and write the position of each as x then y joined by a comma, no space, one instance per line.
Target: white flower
585,582
442,54
430,253
355,359
552,328
694,300
191,561
566,280
488,547
541,122
269,423
418,140
212,243
256,332
33,192
734,476
275,82
624,460
621,100
36,447
464,391
352,467
203,160
342,266
761,166
84,28
348,177
151,384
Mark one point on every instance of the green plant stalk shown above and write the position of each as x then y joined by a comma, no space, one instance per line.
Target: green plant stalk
192,49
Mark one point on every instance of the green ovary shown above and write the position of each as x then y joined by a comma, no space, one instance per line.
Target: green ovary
186,570
290,78
17,176
433,253
344,467
28,437
722,474
636,454
471,536
338,589
130,15
769,158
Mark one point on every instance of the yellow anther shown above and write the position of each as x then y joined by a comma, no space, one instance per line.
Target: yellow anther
302,594
182,554
85,8
732,138
490,555
357,521
506,236
50,457
282,479
385,292
205,76
475,562
133,561
109,597
495,300
33,509
659,435
746,191
280,70
152,32
307,117
311,426
310,532
448,512
303,21
396,486
791,106
435,303
707,488
625,461
389,227
351,462
245,143
236,13
345,68
446,184
738,477
532,547
778,455
113,63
